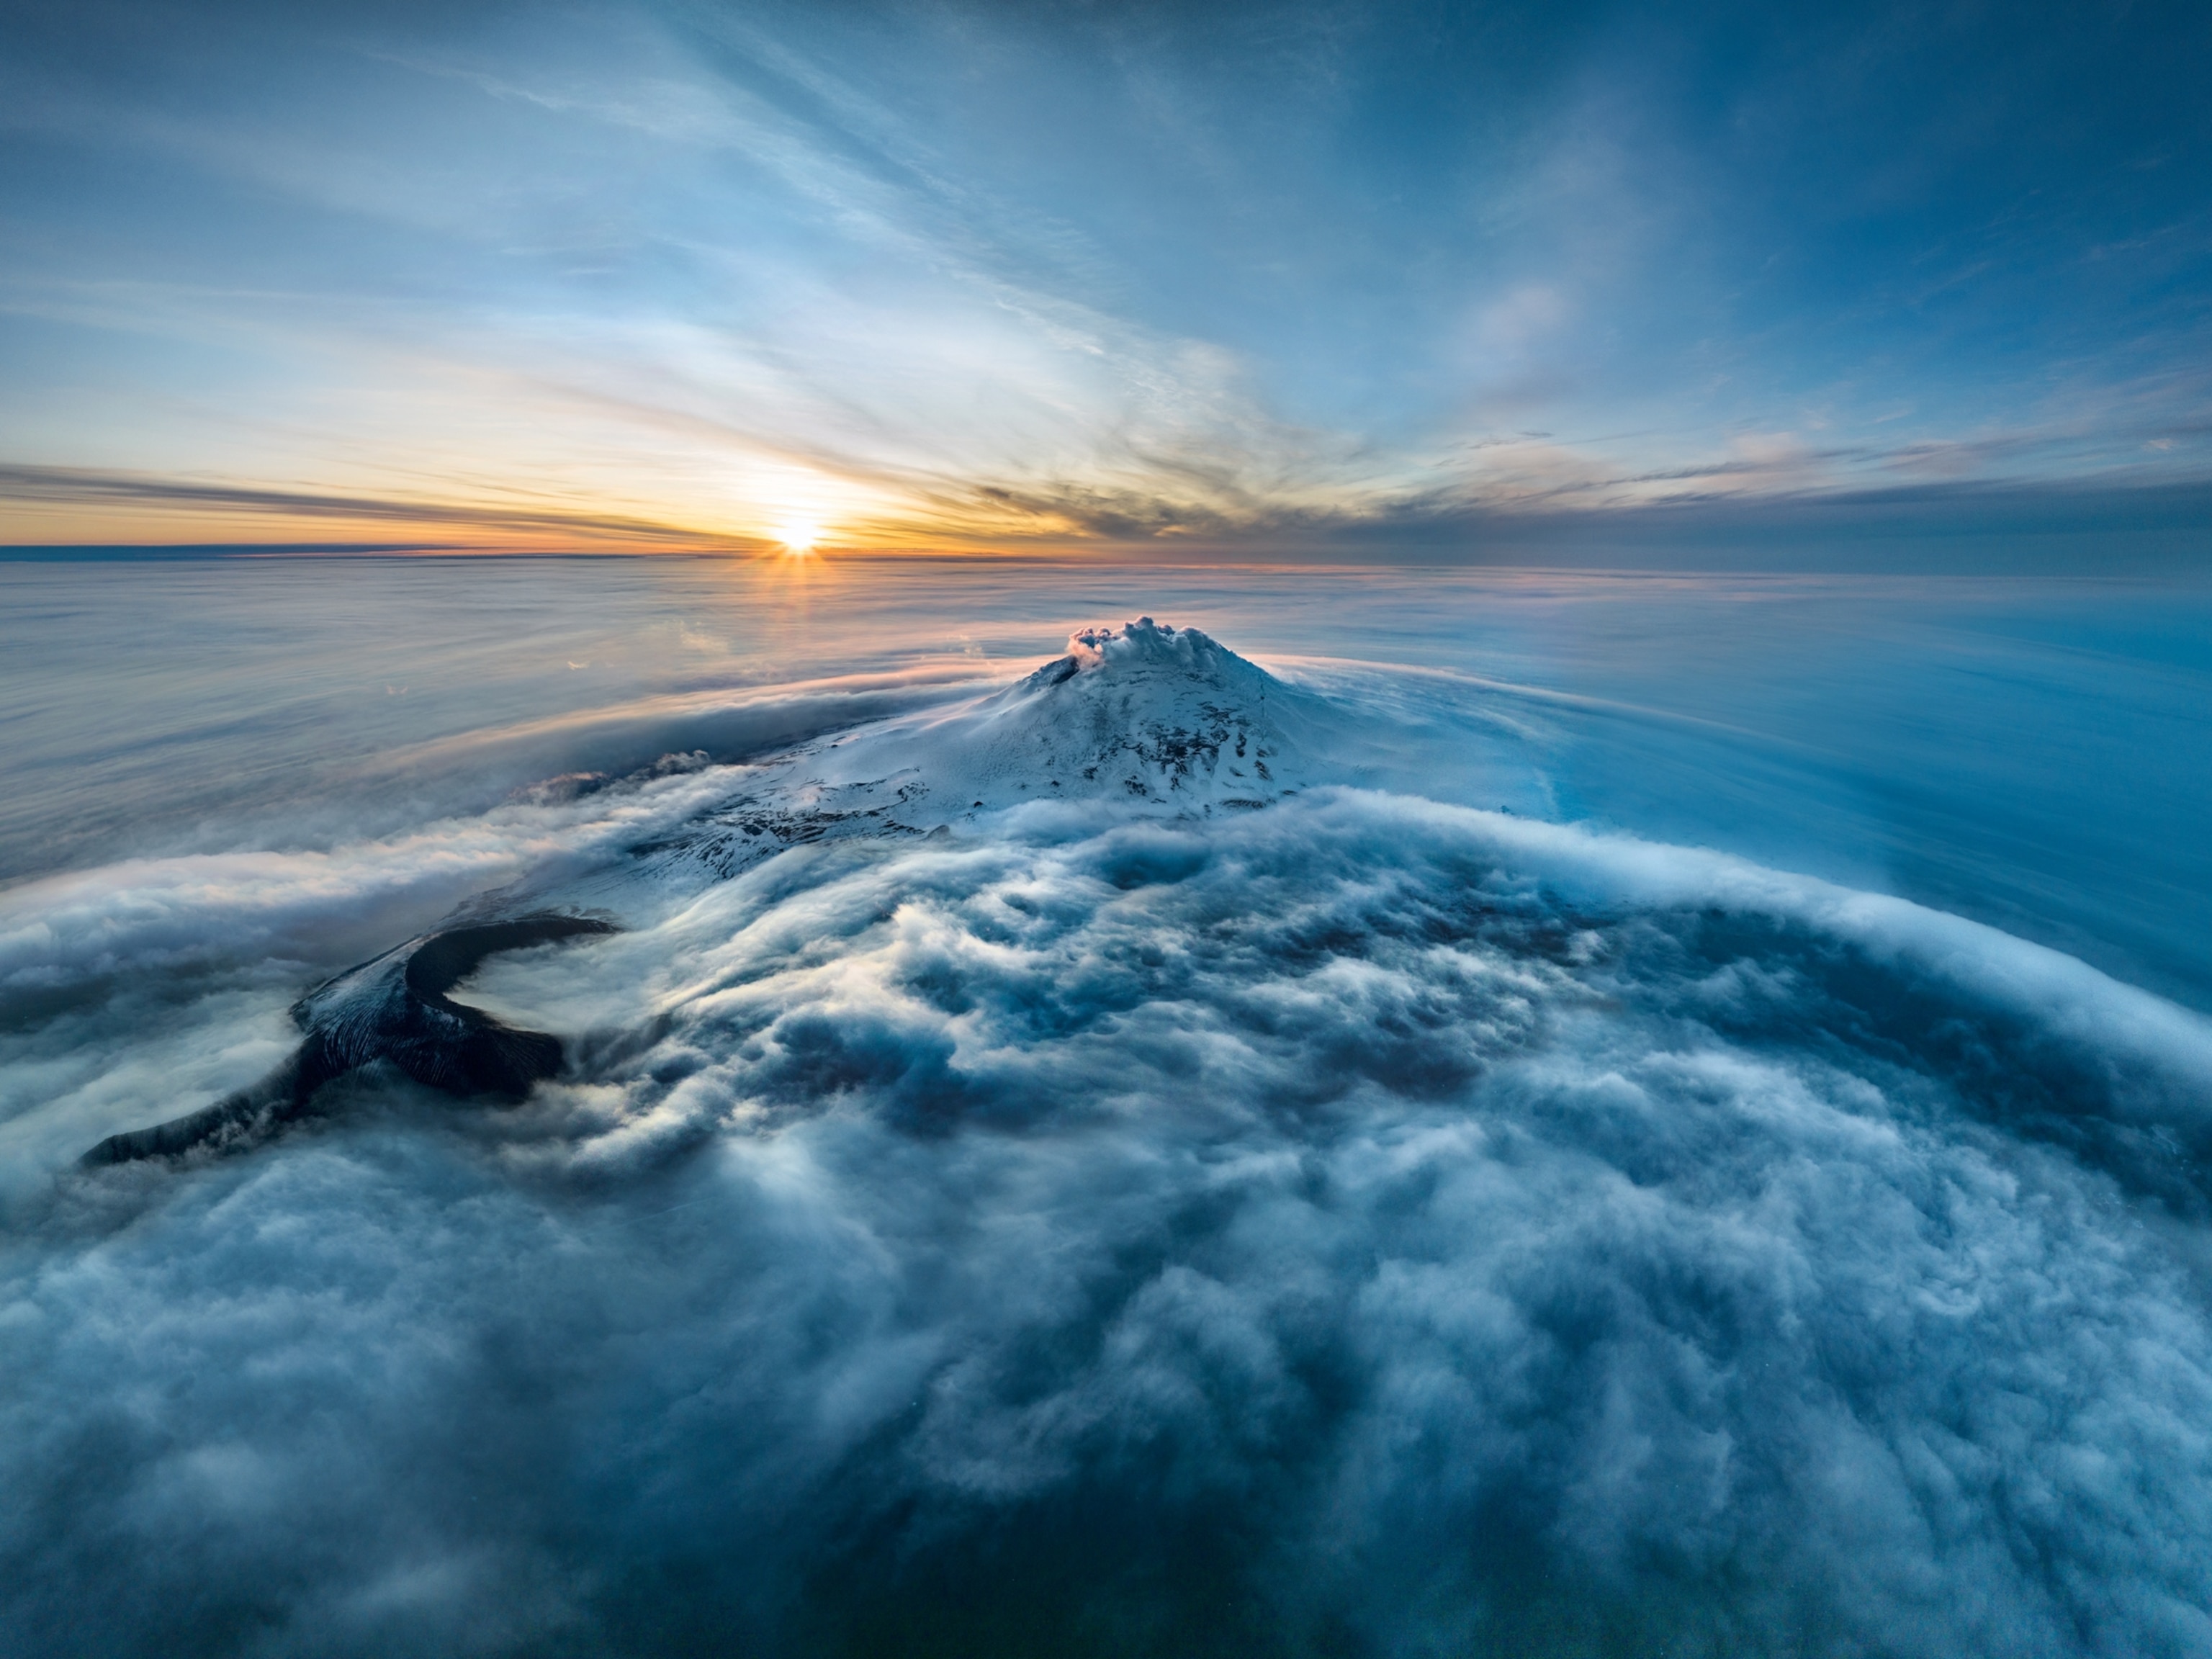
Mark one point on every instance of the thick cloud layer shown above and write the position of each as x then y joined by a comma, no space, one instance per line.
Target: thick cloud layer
1356,1226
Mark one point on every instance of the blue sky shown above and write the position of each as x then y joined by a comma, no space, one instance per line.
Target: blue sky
1290,277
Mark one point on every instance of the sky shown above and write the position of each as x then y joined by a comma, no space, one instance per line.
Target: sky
1361,279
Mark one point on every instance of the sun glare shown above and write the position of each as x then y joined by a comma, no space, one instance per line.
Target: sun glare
799,536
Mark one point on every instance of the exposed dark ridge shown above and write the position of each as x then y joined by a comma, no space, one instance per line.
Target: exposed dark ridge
279,1097
1055,672
402,1015
444,960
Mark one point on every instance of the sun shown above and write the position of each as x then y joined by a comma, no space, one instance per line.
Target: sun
799,536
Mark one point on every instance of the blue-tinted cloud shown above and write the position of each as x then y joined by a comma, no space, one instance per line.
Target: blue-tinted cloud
1364,1223
1055,1166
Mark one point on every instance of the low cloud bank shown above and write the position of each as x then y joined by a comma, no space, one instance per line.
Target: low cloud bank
1363,1225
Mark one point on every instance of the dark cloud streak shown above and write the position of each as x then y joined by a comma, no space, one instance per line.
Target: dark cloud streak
84,486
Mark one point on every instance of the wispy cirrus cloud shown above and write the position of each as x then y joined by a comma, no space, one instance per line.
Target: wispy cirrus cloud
935,278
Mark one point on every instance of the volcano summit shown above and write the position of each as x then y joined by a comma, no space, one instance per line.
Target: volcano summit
1143,720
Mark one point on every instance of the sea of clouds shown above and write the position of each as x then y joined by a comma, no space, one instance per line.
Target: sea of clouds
1364,1225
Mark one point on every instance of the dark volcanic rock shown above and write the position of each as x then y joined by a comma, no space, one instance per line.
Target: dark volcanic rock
395,1008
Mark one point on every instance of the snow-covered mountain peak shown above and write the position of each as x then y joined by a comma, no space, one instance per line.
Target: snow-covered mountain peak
1145,718
1146,713
1142,674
